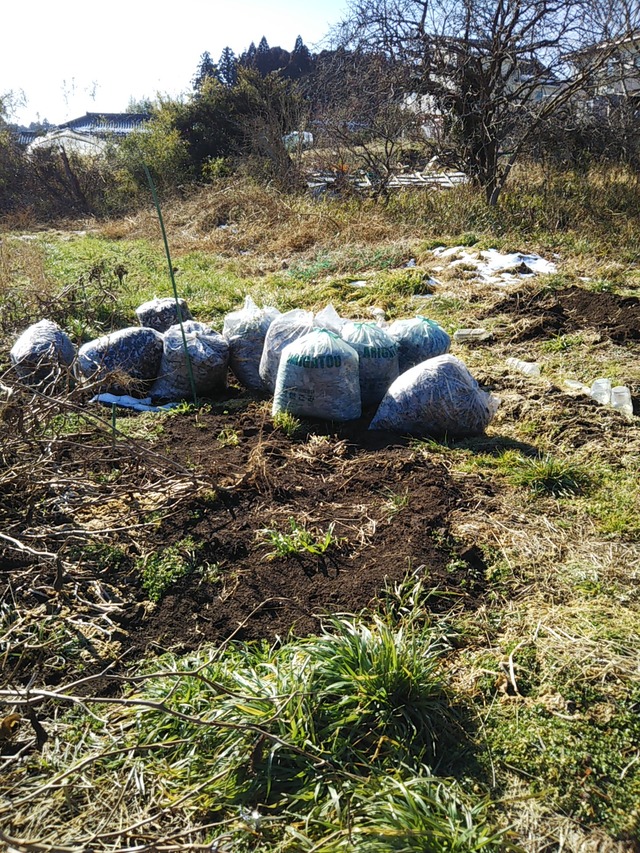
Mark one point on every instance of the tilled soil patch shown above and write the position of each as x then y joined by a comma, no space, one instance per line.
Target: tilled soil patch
375,507
386,510
545,314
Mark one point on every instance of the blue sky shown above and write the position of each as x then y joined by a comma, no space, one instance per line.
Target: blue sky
62,58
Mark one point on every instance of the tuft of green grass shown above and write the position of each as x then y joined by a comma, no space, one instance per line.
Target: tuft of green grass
161,570
546,475
299,540
615,506
288,423
562,343
228,437
314,744
395,502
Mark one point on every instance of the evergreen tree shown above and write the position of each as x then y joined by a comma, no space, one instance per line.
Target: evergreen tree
248,57
263,57
206,70
300,62
228,67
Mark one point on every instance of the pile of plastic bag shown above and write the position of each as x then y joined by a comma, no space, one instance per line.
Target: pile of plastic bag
315,365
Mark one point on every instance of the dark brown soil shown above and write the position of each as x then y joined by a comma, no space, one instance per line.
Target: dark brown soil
384,504
387,510
545,314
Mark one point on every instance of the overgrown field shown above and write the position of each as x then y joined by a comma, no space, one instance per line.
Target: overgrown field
224,632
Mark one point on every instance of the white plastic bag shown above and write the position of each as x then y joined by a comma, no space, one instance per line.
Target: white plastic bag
129,355
378,359
329,319
437,397
418,339
318,378
162,313
283,330
245,331
209,357
42,353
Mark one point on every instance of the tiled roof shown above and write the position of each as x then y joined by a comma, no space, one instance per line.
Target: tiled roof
108,124
24,137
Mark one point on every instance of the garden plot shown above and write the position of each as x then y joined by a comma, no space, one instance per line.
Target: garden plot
216,542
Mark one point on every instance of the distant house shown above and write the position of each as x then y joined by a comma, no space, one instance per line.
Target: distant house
456,66
107,124
73,142
611,69
89,134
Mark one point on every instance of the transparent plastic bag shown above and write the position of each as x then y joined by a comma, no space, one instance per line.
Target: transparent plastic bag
329,319
283,330
437,397
129,354
318,378
161,313
42,353
418,339
378,359
245,331
209,357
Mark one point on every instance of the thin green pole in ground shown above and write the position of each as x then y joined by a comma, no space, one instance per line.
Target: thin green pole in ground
173,282
113,424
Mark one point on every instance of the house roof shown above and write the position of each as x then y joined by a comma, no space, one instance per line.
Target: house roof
71,140
107,124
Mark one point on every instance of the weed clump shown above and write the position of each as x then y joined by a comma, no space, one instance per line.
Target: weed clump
548,476
161,570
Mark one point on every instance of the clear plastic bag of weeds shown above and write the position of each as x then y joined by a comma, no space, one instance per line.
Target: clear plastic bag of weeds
42,354
436,397
161,313
284,329
122,360
329,319
418,338
378,359
209,358
318,378
245,331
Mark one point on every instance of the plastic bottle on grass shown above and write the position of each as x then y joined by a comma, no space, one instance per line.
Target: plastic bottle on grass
528,368
601,391
471,336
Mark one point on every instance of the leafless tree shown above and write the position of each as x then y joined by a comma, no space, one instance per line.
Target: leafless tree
490,72
360,114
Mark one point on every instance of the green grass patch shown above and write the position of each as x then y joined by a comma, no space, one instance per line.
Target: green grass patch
161,570
615,506
315,744
299,540
545,475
